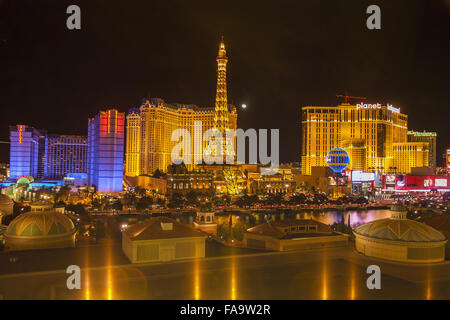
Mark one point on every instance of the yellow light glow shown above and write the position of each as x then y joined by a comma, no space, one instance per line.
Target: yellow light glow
233,279
324,278
108,121
109,274
352,283
196,280
87,289
115,127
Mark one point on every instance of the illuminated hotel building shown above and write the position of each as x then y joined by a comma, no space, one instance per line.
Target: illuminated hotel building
430,137
410,155
105,151
133,144
366,131
24,151
149,128
64,154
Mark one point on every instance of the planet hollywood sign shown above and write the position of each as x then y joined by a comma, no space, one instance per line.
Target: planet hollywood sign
368,106
376,106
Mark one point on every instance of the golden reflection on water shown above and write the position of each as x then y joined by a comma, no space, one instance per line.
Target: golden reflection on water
233,278
324,277
87,289
352,283
196,279
428,288
109,281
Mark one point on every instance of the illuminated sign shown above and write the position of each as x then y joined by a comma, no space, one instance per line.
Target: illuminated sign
401,183
448,160
368,106
440,182
337,181
342,181
359,176
390,179
332,181
422,134
428,183
20,134
391,108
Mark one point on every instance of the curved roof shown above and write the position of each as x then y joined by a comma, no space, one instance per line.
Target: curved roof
275,228
40,224
399,230
155,228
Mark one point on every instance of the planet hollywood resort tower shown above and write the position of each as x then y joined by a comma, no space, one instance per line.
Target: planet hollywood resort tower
149,127
375,137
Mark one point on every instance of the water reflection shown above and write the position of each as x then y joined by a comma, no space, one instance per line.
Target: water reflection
428,285
252,218
233,278
324,277
87,288
352,282
196,280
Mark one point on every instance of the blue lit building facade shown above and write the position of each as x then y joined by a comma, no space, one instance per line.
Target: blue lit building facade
65,154
36,154
105,151
24,159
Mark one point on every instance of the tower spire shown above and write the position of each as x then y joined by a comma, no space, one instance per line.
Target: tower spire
221,107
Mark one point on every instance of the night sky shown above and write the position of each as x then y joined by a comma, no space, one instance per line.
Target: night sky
282,55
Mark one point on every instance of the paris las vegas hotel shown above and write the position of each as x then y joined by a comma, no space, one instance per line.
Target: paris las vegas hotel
149,128
375,137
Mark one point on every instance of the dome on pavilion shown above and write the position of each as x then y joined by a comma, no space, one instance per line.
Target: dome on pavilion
38,230
400,239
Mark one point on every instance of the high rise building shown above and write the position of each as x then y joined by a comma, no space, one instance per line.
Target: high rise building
430,137
24,151
41,155
64,154
149,128
356,149
133,144
370,128
105,151
410,155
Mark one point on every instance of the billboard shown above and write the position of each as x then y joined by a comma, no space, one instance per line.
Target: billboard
440,182
390,179
360,176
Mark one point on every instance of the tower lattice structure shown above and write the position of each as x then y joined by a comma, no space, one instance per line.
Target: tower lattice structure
221,107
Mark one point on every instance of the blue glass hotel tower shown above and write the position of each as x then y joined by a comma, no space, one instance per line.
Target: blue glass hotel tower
24,151
105,151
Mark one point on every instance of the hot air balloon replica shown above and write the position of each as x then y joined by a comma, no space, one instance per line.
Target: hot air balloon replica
337,159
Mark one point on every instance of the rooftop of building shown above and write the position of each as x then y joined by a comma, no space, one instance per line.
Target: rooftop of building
160,228
176,107
272,229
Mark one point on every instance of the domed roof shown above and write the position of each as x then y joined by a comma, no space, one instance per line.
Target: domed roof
399,230
40,224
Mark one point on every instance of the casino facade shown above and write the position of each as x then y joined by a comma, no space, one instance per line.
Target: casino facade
375,137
